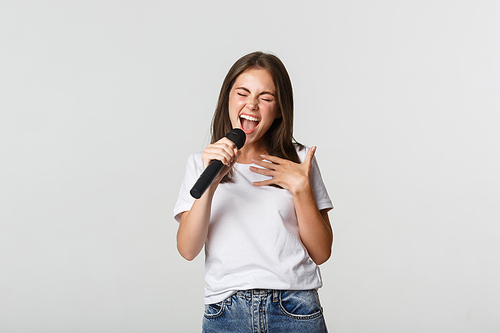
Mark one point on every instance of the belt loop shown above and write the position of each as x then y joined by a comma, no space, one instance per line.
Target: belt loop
276,296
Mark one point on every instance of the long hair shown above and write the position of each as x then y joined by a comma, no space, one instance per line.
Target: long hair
278,139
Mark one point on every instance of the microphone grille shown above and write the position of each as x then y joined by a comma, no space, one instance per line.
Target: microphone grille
237,136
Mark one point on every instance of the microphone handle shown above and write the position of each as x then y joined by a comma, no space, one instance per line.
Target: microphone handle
206,178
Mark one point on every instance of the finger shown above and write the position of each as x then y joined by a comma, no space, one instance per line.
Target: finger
265,164
227,145
271,158
260,171
227,142
235,158
310,155
223,143
237,153
217,154
219,151
265,182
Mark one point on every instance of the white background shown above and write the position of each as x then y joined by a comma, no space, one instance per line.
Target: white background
101,102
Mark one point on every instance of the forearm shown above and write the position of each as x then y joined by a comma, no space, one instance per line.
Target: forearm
193,227
314,226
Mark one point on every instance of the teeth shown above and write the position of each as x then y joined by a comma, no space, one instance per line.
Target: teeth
244,116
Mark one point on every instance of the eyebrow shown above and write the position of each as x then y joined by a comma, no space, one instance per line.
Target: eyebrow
262,93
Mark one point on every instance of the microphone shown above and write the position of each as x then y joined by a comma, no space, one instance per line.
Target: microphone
238,137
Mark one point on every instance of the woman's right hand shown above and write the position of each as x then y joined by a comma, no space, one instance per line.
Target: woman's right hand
223,150
193,227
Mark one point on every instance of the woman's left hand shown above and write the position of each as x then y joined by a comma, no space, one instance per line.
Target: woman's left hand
314,226
292,176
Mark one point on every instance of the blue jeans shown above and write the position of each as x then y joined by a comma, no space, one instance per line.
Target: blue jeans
266,311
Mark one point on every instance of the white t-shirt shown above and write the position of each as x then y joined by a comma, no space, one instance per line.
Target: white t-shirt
253,239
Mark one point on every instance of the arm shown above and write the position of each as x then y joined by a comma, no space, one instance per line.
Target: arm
193,226
314,225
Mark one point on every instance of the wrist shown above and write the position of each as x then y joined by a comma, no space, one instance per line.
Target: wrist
301,189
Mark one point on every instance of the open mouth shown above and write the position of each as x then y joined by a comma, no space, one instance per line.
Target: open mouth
248,123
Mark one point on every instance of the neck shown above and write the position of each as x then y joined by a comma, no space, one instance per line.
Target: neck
251,151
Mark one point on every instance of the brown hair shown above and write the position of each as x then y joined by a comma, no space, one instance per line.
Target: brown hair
279,140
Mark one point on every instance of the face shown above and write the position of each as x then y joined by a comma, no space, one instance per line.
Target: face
252,103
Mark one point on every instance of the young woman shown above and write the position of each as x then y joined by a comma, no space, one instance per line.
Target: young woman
263,221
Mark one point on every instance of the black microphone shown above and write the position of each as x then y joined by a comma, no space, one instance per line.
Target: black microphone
238,137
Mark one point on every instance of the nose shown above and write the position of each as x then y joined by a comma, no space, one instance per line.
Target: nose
252,103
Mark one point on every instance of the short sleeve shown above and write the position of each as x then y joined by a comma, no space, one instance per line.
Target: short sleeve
185,201
321,196
320,193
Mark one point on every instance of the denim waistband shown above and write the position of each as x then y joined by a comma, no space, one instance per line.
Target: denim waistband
258,293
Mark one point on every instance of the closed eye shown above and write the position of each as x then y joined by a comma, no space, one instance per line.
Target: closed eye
267,96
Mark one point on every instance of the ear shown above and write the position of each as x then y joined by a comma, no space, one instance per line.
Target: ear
278,114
